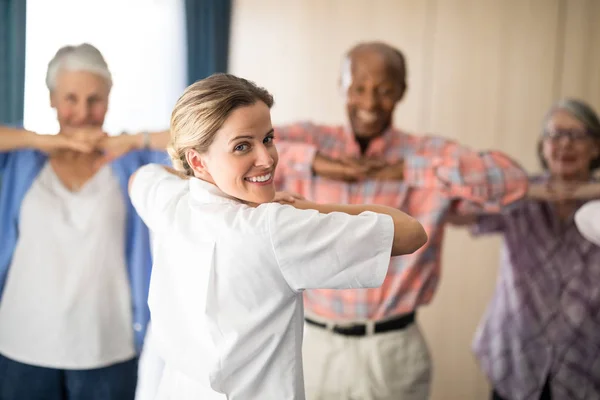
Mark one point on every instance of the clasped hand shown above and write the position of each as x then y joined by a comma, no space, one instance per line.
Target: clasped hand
561,191
88,140
351,169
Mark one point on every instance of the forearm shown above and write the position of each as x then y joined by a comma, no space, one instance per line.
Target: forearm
409,234
152,140
587,191
16,139
488,180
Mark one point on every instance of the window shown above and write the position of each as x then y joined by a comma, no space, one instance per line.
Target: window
143,42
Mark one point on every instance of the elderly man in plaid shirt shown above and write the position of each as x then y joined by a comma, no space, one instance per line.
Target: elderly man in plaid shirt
365,343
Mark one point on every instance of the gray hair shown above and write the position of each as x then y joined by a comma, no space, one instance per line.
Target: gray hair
581,111
83,57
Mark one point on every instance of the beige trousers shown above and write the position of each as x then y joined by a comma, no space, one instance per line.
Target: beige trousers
385,366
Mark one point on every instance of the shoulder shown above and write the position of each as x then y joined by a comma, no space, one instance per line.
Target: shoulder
260,219
272,219
138,158
25,154
431,142
21,160
310,127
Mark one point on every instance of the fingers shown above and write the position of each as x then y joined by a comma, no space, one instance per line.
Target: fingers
561,190
283,197
90,134
352,169
358,167
294,196
79,146
287,197
375,163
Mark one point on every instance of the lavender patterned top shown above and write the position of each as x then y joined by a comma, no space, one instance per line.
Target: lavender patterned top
544,319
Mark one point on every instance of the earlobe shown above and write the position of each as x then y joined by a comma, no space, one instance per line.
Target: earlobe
197,162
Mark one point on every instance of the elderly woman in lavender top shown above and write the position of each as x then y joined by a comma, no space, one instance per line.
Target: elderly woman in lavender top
74,256
539,338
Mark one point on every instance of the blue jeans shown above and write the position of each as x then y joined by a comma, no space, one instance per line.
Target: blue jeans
20,381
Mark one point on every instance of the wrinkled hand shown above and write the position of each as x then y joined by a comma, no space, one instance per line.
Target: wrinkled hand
53,143
389,172
89,135
587,191
287,197
346,168
83,140
554,191
113,147
355,169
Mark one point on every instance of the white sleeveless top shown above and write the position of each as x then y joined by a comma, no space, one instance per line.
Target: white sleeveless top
67,302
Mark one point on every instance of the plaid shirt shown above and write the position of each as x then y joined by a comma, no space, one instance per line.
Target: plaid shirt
544,318
438,175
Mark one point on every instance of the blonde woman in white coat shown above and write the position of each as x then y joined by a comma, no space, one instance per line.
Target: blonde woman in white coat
231,264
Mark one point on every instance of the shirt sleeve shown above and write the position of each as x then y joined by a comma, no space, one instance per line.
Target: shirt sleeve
155,194
331,251
295,160
297,146
155,157
587,219
3,160
485,181
306,133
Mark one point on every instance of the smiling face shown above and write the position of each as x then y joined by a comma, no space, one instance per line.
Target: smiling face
567,147
80,99
373,77
242,159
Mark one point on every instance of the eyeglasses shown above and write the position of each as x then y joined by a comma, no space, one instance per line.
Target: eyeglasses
572,134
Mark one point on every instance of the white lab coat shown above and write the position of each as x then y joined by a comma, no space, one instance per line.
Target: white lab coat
225,293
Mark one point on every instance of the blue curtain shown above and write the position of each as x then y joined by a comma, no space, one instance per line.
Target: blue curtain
207,28
12,60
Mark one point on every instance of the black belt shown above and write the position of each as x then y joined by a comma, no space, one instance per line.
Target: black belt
395,324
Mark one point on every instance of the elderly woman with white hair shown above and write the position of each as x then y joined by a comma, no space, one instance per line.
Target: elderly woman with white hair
75,257
539,336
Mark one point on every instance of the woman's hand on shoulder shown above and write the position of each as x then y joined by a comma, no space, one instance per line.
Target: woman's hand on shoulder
287,198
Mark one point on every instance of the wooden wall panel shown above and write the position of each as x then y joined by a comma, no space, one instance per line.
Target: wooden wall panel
492,79
294,48
580,59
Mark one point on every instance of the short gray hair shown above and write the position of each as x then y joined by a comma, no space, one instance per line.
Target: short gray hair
83,57
581,111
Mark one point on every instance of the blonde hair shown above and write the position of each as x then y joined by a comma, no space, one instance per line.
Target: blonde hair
203,108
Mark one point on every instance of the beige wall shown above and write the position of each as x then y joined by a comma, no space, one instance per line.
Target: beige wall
480,71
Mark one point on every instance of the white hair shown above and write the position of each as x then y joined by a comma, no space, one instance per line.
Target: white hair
83,57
